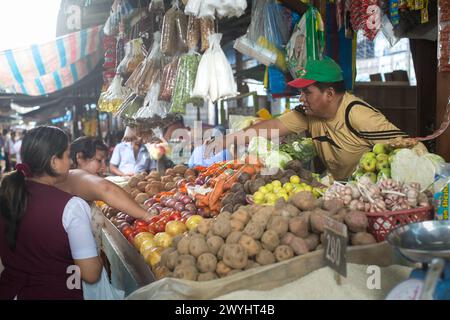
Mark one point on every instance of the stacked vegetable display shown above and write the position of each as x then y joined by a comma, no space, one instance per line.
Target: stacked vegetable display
256,235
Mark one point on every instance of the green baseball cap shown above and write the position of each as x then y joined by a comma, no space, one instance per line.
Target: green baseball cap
326,70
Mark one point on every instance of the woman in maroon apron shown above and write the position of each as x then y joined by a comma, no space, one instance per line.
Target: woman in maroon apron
46,242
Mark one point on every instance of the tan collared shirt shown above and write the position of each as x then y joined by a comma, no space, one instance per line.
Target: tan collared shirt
341,142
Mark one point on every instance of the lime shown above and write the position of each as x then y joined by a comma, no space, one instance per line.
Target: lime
288,186
276,183
269,187
258,196
295,179
263,190
270,197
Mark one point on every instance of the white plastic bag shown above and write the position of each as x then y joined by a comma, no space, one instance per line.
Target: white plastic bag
102,289
215,78
193,7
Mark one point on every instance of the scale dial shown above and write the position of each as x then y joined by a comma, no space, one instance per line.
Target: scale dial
406,290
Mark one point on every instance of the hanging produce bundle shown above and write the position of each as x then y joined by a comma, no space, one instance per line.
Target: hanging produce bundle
174,32
215,78
129,108
208,8
111,99
168,79
121,9
187,72
148,72
444,36
307,42
193,33
134,55
153,107
109,66
206,29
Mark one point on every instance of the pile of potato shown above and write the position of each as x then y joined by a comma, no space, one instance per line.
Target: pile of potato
143,186
256,235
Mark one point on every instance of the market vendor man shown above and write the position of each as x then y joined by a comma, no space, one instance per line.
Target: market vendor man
342,126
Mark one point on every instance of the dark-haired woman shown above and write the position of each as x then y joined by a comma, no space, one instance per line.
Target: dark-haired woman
46,242
89,154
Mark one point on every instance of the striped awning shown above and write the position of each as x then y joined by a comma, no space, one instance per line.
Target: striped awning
49,67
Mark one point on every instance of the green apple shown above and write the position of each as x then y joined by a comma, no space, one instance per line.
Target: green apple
357,174
394,152
391,159
384,173
372,176
382,157
368,164
379,148
383,164
368,155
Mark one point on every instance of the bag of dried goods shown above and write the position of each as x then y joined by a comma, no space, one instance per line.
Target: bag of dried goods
168,79
186,75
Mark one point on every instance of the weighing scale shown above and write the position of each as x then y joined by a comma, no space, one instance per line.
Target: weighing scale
428,243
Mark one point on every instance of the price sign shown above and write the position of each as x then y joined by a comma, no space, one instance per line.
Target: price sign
336,240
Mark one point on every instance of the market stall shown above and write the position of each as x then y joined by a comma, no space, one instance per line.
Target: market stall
267,219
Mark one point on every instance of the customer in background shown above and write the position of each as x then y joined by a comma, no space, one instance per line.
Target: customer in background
17,145
125,154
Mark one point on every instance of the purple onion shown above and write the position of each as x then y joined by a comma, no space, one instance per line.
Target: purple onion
118,222
186,214
123,225
179,206
171,203
191,208
201,212
150,202
177,196
199,181
153,211
185,199
129,219
164,200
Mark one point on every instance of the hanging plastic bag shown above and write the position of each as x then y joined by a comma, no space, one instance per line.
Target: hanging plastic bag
168,33
193,33
174,32
111,99
193,7
444,36
143,78
206,29
307,42
134,55
168,79
215,77
152,107
186,75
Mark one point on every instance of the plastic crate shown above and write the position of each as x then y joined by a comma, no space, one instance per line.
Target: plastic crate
381,223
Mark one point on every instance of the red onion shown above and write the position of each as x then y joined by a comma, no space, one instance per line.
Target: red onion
177,196
163,200
199,181
129,219
179,206
118,222
171,203
185,199
150,202
186,214
123,225
153,211
201,212
191,208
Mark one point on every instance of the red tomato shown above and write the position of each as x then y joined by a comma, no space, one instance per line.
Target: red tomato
140,223
160,227
184,219
166,212
127,231
175,216
154,220
152,228
130,238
